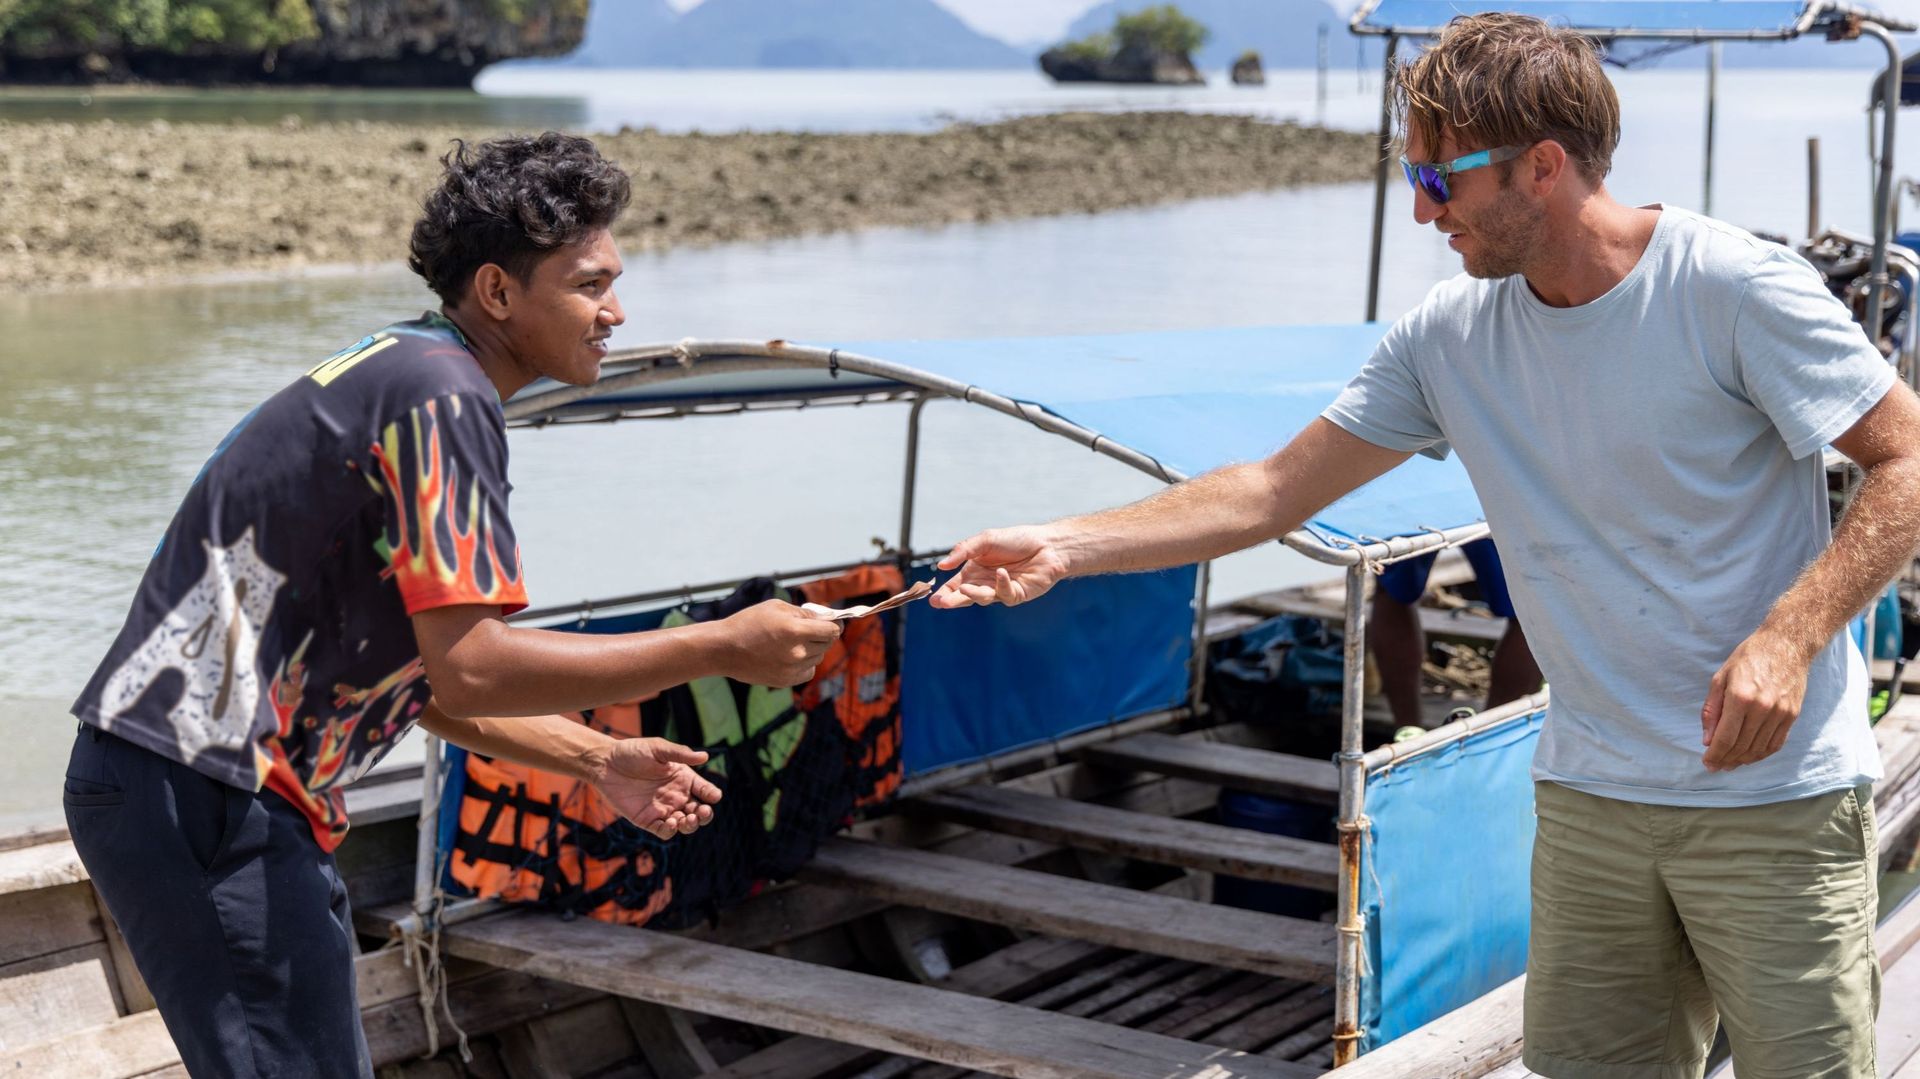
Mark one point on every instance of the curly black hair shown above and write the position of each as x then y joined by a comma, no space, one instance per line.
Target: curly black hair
509,201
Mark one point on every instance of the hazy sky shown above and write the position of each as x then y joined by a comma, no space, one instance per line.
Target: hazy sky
1012,20
1024,21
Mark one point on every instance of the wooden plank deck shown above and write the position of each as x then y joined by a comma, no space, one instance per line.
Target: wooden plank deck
1063,906
1235,852
1010,972
1261,771
915,1020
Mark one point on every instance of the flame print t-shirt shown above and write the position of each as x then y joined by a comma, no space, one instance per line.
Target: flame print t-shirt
269,644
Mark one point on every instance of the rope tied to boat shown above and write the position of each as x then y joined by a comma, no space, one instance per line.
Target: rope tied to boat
1356,927
430,971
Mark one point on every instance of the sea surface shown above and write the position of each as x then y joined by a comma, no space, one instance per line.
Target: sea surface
111,399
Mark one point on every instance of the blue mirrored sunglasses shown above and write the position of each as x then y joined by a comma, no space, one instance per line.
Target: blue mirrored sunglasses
1432,179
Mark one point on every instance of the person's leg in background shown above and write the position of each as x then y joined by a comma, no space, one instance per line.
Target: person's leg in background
1515,672
1393,632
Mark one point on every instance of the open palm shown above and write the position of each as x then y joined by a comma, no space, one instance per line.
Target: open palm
1003,565
651,782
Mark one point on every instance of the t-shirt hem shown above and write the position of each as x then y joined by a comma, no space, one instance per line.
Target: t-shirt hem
150,741
1844,420
1361,429
511,603
1711,799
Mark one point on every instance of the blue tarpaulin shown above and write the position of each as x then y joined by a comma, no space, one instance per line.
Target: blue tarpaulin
1445,881
985,680
1704,19
1191,399
1195,400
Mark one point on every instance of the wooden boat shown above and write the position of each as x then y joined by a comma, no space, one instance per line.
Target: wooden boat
1038,910
1035,907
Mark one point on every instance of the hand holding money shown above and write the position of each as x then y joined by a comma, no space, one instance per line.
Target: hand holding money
837,614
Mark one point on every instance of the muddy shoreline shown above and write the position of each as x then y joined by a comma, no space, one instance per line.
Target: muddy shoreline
113,203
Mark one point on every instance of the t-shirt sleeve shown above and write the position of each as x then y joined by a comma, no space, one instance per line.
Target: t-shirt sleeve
1800,358
443,472
1384,403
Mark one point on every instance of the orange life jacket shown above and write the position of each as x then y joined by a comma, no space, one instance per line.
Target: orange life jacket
859,678
530,836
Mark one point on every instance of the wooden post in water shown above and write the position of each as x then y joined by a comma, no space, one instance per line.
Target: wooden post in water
1713,102
1320,83
1813,188
1380,179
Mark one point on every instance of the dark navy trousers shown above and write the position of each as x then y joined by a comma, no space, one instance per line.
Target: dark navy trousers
236,918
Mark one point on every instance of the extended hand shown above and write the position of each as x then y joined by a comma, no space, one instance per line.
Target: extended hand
776,644
651,782
1752,702
1003,565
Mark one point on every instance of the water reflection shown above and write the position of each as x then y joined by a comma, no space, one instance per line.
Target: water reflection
263,106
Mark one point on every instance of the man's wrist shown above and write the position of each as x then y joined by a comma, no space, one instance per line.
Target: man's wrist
1797,645
711,648
596,758
1069,543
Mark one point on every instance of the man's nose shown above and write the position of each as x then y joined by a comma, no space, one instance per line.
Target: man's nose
613,314
1425,210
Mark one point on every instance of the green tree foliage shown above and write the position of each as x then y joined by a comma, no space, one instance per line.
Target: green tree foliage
1161,28
241,25
1093,48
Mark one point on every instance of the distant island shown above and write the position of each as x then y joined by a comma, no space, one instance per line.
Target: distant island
363,43
1153,45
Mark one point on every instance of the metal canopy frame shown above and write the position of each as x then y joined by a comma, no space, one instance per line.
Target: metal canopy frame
861,379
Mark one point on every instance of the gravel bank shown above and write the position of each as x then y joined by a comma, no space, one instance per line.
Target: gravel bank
108,203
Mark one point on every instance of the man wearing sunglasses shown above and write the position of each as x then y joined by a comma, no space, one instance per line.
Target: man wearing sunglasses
1641,396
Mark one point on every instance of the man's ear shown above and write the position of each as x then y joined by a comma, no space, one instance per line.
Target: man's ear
1546,163
493,290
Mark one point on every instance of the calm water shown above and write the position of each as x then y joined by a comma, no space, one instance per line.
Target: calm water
110,400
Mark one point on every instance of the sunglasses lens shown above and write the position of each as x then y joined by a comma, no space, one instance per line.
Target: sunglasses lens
1426,179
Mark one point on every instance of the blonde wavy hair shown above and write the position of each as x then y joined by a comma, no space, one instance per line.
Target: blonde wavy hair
1511,80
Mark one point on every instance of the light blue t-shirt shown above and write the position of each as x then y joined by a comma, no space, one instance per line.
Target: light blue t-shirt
1650,466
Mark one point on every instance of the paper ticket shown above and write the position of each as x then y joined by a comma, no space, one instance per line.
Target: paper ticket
836,614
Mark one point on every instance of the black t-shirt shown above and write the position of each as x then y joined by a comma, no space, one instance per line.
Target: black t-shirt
269,643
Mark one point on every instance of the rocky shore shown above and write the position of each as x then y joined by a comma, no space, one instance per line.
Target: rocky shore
109,203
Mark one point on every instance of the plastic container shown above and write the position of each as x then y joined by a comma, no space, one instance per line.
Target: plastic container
1274,816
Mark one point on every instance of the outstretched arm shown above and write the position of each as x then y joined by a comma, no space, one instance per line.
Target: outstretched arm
480,666
650,781
1756,695
1215,514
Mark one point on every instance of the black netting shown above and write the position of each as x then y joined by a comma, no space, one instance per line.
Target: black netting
788,783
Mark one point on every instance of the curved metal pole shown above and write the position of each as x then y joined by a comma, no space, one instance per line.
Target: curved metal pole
912,478
1351,927
687,359
1883,189
426,855
1380,178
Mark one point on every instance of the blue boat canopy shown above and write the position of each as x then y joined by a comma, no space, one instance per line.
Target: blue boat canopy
1694,20
1174,404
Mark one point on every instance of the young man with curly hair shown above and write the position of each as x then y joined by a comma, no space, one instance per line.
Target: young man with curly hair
339,572
1641,396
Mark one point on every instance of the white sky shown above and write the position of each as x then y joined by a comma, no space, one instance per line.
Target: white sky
1010,20
1025,21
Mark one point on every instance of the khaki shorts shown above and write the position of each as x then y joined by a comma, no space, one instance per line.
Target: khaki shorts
1650,922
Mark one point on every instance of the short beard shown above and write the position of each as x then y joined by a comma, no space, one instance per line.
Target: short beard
1506,235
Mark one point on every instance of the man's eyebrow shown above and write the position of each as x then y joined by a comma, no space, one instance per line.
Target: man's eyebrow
599,271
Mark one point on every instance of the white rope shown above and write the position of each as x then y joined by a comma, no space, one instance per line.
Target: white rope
430,972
